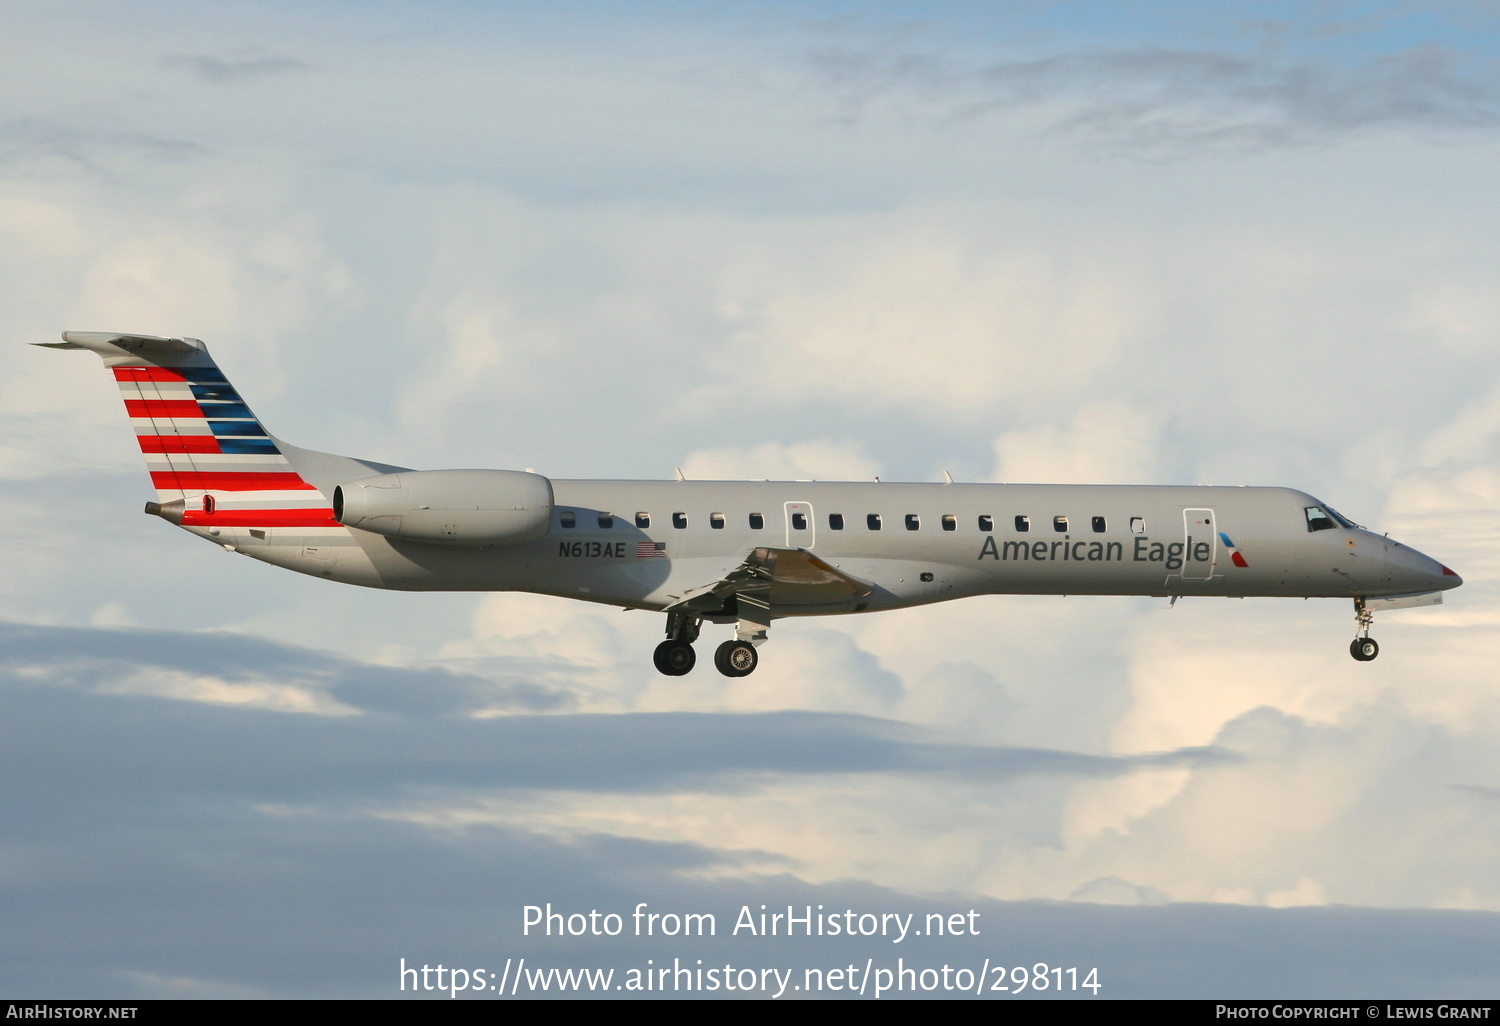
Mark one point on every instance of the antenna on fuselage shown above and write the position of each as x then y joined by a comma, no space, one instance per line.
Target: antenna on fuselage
947,477
679,474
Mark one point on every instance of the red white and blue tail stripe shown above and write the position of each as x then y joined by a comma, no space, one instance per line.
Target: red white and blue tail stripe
204,449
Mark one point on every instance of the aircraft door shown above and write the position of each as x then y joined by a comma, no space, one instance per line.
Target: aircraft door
799,525
1199,544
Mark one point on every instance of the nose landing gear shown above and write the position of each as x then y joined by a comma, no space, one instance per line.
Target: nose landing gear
1363,647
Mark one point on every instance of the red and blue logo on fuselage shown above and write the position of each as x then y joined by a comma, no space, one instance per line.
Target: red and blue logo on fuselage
1234,553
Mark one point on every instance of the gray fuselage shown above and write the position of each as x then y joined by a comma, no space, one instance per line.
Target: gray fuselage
642,544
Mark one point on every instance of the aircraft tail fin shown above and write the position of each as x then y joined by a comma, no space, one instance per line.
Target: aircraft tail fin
211,460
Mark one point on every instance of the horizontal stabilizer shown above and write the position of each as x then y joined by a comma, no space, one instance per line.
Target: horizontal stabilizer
147,342
103,342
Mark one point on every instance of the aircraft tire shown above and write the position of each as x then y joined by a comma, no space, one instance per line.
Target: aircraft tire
674,658
736,658
1364,649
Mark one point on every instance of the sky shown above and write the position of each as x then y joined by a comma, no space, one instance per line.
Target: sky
1165,243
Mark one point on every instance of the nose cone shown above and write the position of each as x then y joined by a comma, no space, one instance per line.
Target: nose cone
1422,572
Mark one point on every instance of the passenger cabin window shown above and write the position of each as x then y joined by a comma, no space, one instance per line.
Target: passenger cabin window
799,521
679,520
1317,520
1023,524
950,522
566,519
913,522
1060,524
606,521
873,521
835,521
1098,523
716,521
757,521
1137,525
643,520
986,522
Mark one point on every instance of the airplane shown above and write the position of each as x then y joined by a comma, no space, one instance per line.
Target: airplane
741,553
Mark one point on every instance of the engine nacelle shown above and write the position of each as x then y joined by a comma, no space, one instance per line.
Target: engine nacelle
451,507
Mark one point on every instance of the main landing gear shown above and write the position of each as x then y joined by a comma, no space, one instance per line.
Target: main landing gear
675,656
1363,647
735,658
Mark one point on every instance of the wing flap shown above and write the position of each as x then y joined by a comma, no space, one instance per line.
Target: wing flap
782,577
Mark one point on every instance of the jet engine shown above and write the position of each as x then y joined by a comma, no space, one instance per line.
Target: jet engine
450,507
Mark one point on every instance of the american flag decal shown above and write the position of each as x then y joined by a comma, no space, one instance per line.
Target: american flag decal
651,550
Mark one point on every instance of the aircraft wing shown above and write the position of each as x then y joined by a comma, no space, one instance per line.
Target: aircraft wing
780,577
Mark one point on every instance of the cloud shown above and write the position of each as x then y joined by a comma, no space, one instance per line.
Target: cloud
162,814
294,889
37,148
1169,101
1106,443
214,69
238,670
145,666
773,461
919,311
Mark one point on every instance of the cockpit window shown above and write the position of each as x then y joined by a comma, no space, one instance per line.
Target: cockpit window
1344,521
1318,519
